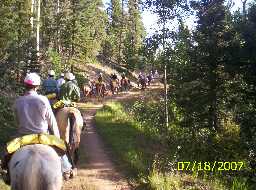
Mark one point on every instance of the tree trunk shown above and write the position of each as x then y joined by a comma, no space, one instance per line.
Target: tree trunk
121,35
73,29
32,15
244,9
38,27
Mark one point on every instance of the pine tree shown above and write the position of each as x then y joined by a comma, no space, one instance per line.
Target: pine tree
213,38
135,34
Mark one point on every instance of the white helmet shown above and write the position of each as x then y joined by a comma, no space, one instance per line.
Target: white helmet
69,76
51,72
62,74
32,79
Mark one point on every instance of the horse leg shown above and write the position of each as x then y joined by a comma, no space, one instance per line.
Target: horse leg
76,156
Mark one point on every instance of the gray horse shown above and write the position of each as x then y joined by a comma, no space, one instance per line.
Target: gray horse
35,167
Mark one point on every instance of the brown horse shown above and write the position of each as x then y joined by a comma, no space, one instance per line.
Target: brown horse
143,83
114,85
124,84
70,123
87,92
100,89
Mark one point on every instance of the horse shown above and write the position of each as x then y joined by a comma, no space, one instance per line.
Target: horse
100,89
114,84
70,124
124,84
87,91
143,82
149,79
35,167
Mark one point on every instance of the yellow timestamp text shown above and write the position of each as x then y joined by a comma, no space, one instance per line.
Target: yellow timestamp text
209,166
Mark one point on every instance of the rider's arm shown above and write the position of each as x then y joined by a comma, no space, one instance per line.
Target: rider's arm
52,123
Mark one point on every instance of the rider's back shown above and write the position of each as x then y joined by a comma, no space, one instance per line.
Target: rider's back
50,85
70,91
33,113
60,82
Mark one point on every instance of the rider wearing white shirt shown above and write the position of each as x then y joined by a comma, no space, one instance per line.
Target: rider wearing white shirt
60,81
35,116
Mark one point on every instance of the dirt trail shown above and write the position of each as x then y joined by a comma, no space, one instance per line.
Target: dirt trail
95,170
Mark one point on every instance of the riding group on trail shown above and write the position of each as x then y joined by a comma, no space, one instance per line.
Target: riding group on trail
99,89
145,80
45,149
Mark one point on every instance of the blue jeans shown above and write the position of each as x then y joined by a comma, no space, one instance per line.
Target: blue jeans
65,164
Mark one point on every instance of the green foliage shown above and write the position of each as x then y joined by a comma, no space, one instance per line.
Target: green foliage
81,80
143,112
138,150
55,59
124,137
125,33
239,184
8,124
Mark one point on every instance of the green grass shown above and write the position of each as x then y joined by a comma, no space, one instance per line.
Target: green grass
136,152
124,137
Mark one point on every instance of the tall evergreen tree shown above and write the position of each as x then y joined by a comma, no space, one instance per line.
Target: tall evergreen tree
135,34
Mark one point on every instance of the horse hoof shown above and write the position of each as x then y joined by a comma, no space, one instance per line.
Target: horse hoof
73,173
67,175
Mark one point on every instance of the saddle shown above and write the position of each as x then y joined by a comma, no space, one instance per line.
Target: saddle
61,104
45,139
51,96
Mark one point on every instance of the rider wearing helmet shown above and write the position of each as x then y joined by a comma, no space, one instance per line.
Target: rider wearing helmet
70,91
50,84
123,75
60,82
33,111
35,116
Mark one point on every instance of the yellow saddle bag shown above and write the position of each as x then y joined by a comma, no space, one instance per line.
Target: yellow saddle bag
43,138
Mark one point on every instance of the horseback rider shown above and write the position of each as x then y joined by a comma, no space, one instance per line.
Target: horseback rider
142,80
33,111
60,81
69,93
100,78
50,87
114,76
70,90
124,82
35,116
69,126
50,84
150,77
123,75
